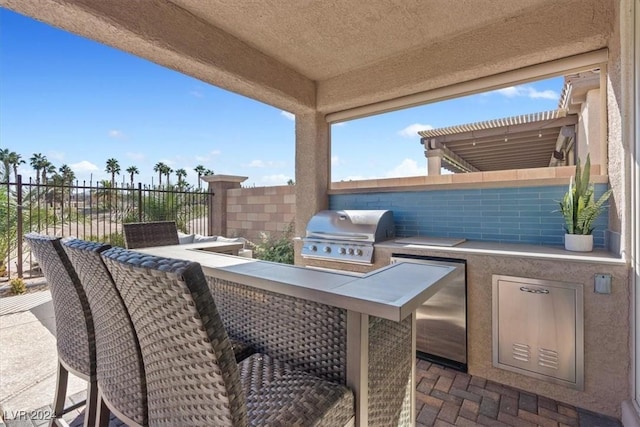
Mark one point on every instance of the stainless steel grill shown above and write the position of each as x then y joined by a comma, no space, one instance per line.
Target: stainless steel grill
347,235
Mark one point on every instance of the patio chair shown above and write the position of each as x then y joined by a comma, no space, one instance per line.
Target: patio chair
192,377
148,234
75,337
122,388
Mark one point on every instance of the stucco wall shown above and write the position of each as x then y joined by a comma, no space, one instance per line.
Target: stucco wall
617,152
606,325
251,211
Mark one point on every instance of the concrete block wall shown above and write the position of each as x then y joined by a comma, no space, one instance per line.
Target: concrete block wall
251,211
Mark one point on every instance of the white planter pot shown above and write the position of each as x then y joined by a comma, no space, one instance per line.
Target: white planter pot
578,242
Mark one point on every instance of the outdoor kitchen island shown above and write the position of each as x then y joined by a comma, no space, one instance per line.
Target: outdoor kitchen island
359,331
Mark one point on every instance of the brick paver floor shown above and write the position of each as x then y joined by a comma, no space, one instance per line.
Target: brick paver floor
446,397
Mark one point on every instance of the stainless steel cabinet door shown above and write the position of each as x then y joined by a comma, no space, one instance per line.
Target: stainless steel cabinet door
538,328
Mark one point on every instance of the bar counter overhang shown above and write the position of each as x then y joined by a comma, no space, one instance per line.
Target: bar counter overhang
374,314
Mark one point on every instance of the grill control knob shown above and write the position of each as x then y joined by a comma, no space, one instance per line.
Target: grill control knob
359,252
313,248
327,249
350,251
342,251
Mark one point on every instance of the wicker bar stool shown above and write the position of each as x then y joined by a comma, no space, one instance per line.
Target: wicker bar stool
75,337
192,376
122,388
148,234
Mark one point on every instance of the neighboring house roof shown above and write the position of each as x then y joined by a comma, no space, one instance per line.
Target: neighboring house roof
495,123
526,141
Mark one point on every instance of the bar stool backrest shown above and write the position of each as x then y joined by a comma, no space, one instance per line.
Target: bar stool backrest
192,375
75,336
120,369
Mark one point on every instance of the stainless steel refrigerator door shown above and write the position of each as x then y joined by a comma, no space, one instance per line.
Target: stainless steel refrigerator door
441,322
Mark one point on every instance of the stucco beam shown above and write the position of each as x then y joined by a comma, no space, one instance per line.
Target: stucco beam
519,42
172,37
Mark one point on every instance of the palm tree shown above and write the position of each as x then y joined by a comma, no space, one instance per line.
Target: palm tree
181,174
4,158
113,167
37,162
103,191
167,172
132,170
66,174
47,169
160,168
200,170
209,172
15,160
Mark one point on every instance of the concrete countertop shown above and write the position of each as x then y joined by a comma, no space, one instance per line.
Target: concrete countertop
392,292
509,250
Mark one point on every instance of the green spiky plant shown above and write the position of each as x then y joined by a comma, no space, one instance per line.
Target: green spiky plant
579,206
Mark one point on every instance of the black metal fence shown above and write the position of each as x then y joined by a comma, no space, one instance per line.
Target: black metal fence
90,211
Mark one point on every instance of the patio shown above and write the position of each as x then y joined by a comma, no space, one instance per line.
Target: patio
444,396
360,59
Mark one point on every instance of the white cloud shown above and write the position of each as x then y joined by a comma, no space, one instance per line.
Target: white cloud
264,164
335,161
527,91
509,92
545,94
55,155
411,131
135,156
208,156
407,167
288,115
116,134
276,179
196,94
84,166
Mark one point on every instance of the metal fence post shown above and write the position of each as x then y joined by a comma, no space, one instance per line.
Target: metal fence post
139,202
19,225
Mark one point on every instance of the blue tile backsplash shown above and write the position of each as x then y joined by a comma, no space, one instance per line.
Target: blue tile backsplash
509,215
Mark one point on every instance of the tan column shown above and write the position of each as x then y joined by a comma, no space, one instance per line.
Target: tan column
589,130
434,162
313,162
218,185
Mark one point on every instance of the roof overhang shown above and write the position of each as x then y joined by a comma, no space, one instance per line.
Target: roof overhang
305,56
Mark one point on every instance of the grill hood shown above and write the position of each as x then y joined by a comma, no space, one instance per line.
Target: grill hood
367,226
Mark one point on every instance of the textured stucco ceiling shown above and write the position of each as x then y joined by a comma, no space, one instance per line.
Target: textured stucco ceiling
324,39
331,55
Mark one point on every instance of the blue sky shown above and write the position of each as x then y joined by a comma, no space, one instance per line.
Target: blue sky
79,103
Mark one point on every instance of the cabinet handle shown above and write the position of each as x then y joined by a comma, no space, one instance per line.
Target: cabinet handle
534,291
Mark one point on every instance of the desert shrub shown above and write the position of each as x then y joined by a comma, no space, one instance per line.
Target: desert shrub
114,239
275,249
18,286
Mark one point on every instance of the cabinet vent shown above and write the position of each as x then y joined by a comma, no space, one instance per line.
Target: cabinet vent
521,352
548,358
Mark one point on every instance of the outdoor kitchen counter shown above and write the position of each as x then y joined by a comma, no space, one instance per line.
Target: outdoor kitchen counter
520,250
371,294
